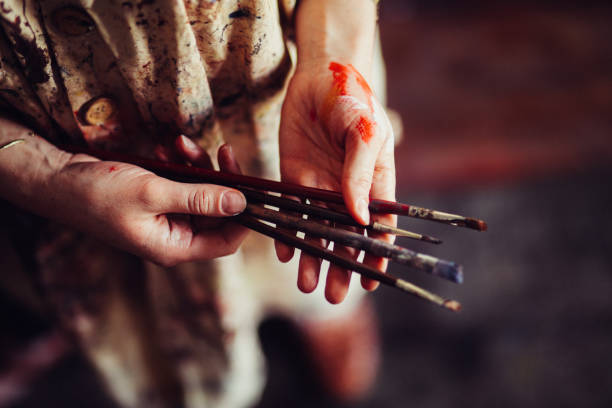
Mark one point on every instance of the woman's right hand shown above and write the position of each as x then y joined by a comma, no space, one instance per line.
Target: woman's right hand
124,205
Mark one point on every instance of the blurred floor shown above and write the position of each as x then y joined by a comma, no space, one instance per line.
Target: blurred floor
506,115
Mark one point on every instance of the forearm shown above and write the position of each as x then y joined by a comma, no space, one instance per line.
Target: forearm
27,168
336,30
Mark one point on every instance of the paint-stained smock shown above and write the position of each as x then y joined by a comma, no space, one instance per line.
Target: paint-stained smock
131,76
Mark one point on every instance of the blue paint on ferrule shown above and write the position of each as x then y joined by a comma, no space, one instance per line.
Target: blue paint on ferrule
448,270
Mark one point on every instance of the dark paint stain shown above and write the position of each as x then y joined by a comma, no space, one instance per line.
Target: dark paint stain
88,59
256,47
228,100
241,13
35,58
190,122
223,32
111,66
72,21
11,92
4,9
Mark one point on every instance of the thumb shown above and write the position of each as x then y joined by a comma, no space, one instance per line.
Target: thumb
357,175
198,199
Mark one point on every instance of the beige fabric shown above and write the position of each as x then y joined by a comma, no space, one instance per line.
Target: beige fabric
132,76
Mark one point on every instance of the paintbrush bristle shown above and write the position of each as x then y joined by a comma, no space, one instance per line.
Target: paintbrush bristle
452,305
476,224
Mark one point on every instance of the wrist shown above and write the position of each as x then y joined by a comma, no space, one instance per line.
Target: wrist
328,30
27,168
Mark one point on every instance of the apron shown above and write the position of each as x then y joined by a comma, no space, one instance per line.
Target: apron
131,76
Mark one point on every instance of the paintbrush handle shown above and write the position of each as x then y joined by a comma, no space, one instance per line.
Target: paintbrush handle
331,215
429,264
197,174
347,263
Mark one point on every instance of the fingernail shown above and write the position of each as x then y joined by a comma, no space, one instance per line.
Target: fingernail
226,150
189,144
362,210
233,202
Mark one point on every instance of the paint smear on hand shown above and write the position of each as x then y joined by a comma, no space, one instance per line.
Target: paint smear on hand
366,128
341,74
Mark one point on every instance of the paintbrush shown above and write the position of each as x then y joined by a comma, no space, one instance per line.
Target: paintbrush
344,262
196,174
250,185
434,266
331,215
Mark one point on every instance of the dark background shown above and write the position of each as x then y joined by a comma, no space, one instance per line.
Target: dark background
506,110
507,113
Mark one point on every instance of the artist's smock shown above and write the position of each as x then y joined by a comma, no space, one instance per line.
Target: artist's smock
132,76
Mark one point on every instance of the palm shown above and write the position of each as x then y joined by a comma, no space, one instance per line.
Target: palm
308,156
322,145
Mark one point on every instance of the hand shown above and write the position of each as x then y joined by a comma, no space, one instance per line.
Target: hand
161,220
335,135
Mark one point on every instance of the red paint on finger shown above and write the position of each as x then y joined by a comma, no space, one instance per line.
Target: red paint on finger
362,82
365,127
112,168
341,75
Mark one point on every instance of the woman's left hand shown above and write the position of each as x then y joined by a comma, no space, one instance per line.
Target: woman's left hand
335,135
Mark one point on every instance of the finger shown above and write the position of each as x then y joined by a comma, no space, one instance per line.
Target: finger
383,187
193,153
228,163
165,196
180,243
227,160
375,262
357,174
285,253
167,154
216,243
338,279
309,267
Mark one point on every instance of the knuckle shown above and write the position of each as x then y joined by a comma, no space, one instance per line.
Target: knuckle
232,247
384,167
361,182
199,202
166,260
148,193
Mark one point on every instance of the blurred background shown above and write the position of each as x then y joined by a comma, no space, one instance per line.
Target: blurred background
507,115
